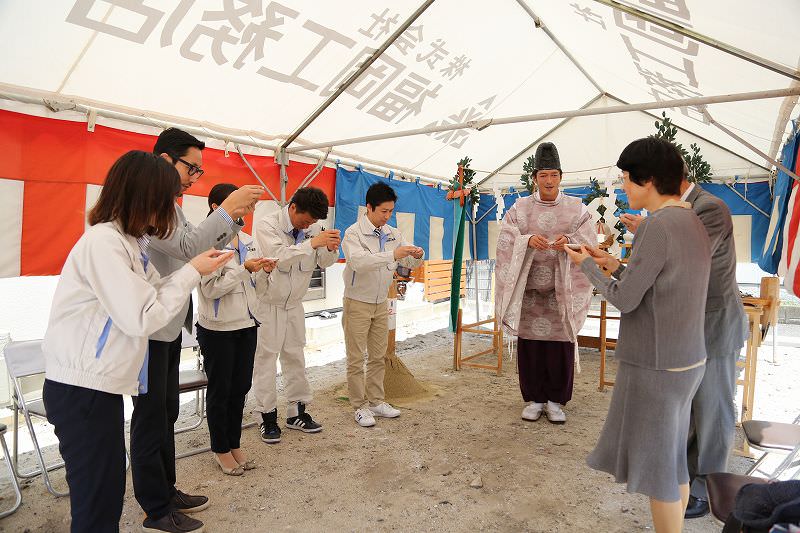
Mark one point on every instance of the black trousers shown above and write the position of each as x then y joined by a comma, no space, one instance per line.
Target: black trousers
546,370
228,358
152,430
89,425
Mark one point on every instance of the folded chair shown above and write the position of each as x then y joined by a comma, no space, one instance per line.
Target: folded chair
23,360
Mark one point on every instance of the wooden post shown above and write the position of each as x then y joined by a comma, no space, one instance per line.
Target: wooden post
457,343
603,311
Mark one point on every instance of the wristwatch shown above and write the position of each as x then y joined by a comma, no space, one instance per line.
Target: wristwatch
239,221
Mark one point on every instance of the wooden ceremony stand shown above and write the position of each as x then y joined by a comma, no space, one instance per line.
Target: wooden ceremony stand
497,345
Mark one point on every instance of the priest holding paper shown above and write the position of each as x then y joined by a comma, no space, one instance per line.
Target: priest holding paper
540,296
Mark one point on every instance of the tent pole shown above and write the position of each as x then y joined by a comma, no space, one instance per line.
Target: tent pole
481,124
701,137
699,37
355,75
253,171
748,145
541,25
283,161
537,141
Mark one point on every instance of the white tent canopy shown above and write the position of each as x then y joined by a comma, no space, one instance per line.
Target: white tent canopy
255,70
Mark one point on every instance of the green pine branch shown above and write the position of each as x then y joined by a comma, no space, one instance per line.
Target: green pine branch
699,169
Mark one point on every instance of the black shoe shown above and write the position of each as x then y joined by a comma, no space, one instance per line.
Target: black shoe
186,503
174,522
696,508
303,421
270,432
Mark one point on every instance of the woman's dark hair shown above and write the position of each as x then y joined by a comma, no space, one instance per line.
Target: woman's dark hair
379,193
218,193
176,143
654,159
139,194
312,201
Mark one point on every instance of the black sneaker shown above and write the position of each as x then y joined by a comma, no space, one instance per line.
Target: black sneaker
303,421
186,503
174,522
270,432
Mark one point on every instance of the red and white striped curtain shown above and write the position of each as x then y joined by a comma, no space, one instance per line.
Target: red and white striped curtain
51,172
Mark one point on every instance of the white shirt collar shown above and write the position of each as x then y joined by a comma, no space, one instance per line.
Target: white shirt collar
368,226
289,228
685,195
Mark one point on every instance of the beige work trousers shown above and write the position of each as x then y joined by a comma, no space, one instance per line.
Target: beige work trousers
366,330
282,334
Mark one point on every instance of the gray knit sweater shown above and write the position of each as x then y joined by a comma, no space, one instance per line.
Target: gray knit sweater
662,292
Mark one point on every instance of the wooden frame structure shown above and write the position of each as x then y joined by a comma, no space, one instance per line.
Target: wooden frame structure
762,313
497,345
436,276
602,343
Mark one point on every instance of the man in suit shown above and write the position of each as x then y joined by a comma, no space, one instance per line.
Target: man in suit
713,416
156,408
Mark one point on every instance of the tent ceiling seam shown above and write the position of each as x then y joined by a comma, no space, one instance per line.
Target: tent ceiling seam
538,140
355,75
703,39
83,52
538,23
484,123
750,146
704,139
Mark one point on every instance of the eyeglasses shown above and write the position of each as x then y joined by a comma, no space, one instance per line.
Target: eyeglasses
193,169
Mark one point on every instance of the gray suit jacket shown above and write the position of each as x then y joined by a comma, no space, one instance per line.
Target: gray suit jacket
186,242
725,322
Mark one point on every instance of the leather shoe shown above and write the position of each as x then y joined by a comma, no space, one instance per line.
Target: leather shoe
696,508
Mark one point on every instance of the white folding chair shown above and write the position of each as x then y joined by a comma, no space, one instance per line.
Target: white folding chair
26,359
193,380
14,481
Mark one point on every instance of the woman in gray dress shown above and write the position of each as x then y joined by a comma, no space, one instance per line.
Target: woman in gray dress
661,348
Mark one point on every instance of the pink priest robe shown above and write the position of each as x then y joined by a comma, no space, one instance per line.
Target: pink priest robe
540,294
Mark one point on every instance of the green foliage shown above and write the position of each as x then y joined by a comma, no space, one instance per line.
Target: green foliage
469,176
527,178
599,192
699,169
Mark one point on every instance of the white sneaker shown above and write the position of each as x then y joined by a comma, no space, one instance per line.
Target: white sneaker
532,411
554,413
364,417
385,410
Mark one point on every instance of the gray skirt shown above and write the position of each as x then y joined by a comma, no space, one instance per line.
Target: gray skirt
643,442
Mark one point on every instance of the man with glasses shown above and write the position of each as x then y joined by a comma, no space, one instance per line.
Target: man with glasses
156,408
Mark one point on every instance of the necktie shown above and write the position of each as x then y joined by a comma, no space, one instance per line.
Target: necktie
382,237
298,235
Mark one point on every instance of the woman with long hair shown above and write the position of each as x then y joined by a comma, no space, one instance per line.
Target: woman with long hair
109,299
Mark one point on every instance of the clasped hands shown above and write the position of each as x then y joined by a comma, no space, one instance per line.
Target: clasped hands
604,260
538,242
